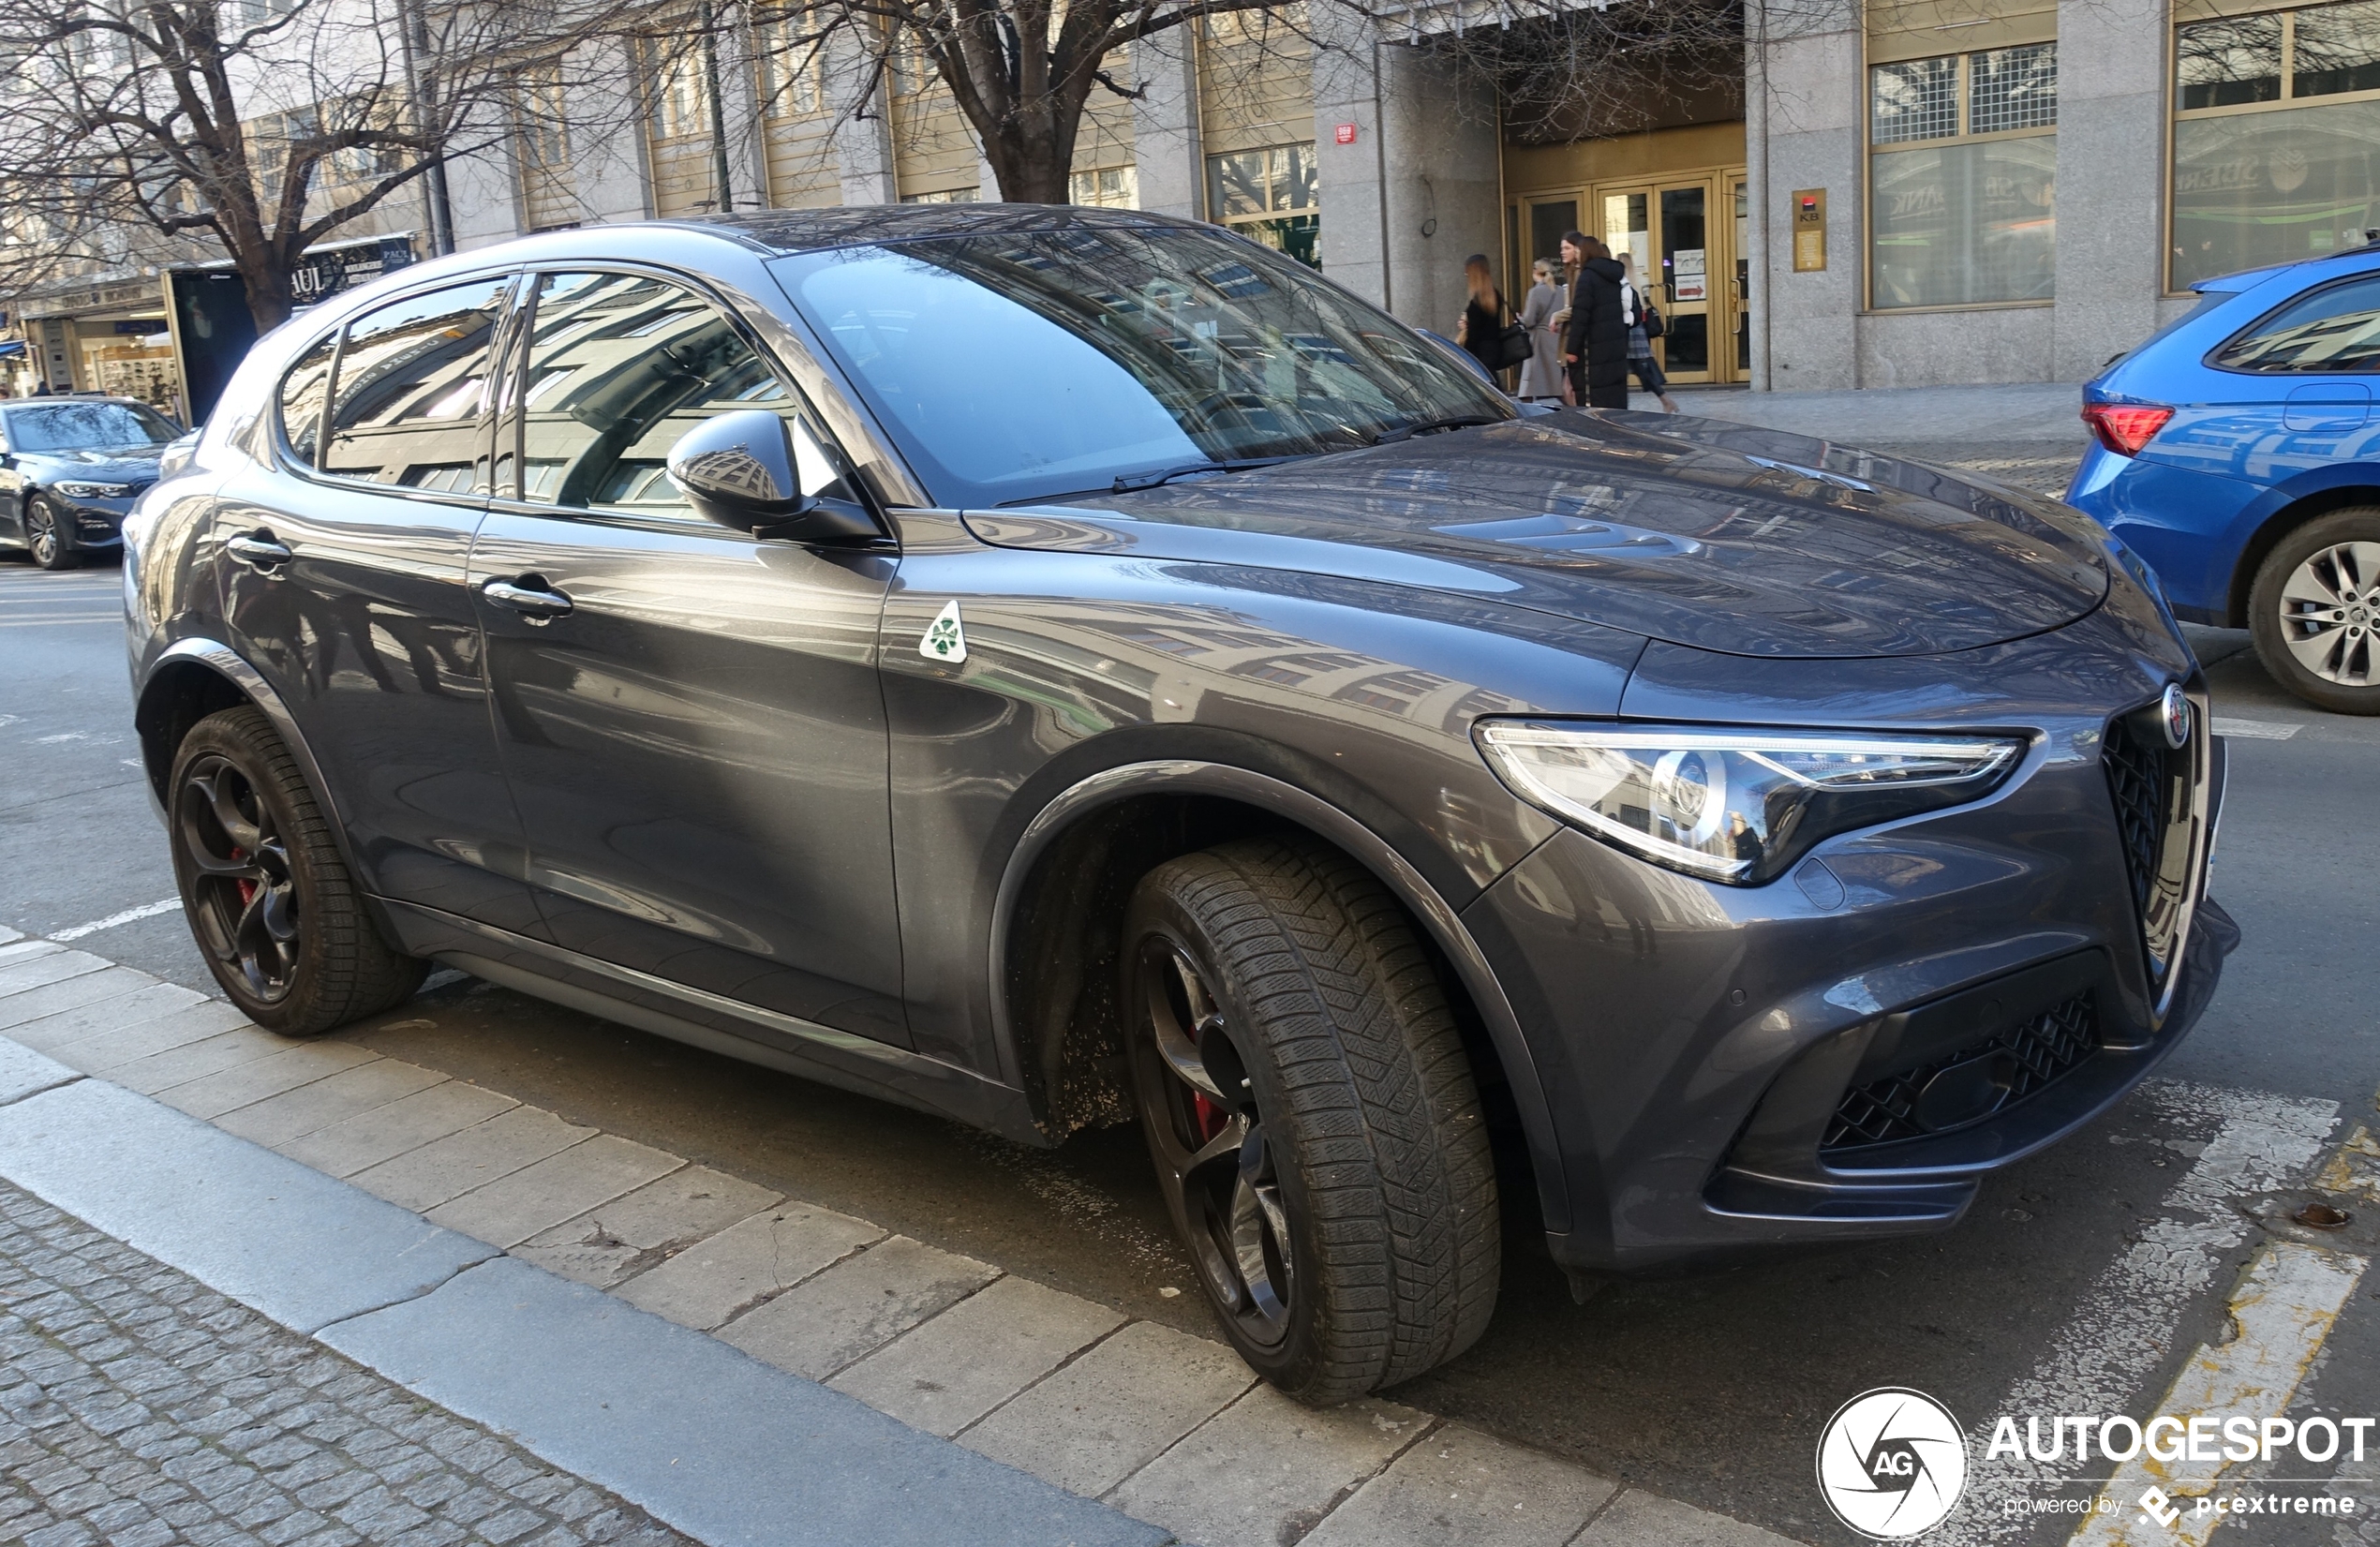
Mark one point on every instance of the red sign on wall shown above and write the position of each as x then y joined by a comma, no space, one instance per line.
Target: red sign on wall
1345,134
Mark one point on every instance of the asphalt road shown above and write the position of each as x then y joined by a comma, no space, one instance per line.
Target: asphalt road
1711,1388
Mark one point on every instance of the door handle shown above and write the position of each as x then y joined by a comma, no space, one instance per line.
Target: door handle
258,548
529,595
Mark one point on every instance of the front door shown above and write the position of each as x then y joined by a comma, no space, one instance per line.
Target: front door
344,584
1664,232
690,716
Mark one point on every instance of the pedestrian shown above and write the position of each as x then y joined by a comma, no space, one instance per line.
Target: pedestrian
1542,372
1636,310
1481,328
1594,345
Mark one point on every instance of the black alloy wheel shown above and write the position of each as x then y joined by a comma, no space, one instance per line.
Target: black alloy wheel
1310,1107
50,534
269,901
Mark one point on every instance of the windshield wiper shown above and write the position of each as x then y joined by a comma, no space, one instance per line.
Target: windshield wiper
1127,483
1424,426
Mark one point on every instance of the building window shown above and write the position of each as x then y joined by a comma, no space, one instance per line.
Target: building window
1962,178
2276,139
1271,195
947,196
1109,187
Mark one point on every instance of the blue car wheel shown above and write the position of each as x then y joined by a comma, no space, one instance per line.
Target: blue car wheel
2316,611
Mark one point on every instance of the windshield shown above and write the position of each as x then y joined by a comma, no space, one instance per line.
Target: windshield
1014,368
87,427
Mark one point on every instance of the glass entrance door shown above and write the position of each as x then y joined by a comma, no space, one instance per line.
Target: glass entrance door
1739,297
1663,231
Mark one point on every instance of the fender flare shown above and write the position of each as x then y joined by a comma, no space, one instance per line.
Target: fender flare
1391,868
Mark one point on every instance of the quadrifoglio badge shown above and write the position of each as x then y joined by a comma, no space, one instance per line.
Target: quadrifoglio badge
1893,1464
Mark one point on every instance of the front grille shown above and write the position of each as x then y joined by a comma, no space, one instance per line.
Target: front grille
2153,790
2136,775
2023,1061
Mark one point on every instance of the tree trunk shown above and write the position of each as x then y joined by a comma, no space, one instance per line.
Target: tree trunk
270,299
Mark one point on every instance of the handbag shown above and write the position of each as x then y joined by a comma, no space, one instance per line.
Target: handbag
1654,326
1512,345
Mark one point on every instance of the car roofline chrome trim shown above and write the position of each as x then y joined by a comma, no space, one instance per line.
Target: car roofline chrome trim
1409,885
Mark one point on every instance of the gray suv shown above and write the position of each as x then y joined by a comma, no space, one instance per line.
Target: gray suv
1067,667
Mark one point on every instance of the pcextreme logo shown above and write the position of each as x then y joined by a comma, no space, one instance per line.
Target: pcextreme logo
1891,1463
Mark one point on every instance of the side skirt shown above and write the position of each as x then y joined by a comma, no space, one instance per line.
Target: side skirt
713,1022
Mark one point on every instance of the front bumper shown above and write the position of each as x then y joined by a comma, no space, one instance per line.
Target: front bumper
1703,1048
98,523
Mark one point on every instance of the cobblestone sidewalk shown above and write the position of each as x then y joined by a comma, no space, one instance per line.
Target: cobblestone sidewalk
137,1408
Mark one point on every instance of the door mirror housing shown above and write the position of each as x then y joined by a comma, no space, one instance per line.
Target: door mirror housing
740,471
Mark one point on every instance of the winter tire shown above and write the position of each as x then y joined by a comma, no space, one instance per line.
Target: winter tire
1308,1102
280,922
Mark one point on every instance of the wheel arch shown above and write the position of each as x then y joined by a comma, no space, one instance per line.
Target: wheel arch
1083,850
2276,527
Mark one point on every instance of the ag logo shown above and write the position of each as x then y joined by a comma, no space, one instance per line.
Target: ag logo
945,637
1891,1463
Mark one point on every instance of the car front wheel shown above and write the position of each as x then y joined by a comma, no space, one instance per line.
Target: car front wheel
1306,1096
50,534
2316,611
280,921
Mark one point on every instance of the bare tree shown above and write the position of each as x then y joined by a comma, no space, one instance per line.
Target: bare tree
254,130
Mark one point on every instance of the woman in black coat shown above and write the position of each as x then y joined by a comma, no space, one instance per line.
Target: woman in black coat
1596,342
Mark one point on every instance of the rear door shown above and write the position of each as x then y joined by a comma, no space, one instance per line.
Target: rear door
345,571
689,716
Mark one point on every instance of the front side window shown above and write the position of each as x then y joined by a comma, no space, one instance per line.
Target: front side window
2330,330
1962,178
1019,366
88,427
411,381
2277,121
619,366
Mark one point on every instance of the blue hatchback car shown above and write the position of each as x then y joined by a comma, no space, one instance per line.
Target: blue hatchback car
2238,455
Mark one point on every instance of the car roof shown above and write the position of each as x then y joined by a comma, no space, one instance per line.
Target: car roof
810,230
2329,265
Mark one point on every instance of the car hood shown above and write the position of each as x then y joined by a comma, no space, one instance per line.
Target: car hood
1725,538
102,462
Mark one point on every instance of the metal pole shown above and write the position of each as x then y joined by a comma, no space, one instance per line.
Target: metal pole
414,41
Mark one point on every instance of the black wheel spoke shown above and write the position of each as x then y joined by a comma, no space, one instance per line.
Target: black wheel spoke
240,892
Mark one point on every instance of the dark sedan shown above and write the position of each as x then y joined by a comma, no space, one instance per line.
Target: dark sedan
71,468
1069,667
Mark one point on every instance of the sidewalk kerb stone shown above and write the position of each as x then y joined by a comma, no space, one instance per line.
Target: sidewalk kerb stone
946,1372
471,1158
103,1050
401,1127
564,1185
1466,1489
1639,1519
290,1067
67,991
1267,1470
227,1049
18,977
751,1260
856,1306
629,1234
50,1032
297,1112
24,1072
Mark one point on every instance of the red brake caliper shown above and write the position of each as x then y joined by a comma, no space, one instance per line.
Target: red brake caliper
1210,1116
248,887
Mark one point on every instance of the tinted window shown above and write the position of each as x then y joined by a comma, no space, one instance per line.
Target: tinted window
412,382
1016,367
87,427
2334,329
619,366
301,393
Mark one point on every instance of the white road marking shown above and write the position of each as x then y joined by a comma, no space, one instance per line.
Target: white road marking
2256,730
147,910
2123,1324
2282,1311
48,622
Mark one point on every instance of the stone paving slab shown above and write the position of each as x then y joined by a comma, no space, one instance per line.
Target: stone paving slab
291,1066
383,1133
708,1283
295,1113
631,1233
1266,1470
952,1370
543,1193
103,1041
1638,1519
24,1072
424,1177
136,1008
26,950
276,1235
242,1043
48,967
1115,1409
856,1306
1462,1487
139,1409
24,1002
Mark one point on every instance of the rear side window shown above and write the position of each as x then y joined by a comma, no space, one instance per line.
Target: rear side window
411,383
302,391
2330,330
619,366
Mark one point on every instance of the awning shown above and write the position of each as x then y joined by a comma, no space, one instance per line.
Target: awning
10,346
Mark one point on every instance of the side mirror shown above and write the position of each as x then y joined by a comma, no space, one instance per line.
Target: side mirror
739,471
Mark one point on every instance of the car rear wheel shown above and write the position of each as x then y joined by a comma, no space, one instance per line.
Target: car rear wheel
278,918
50,534
2316,611
1307,1100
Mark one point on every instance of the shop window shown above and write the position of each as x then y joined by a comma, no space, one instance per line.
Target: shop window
1962,178
2276,120
1108,188
1271,195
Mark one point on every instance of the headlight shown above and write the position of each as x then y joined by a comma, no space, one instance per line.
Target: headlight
1735,806
91,491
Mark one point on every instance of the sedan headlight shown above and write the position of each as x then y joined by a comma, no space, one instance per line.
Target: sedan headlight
1736,806
74,490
